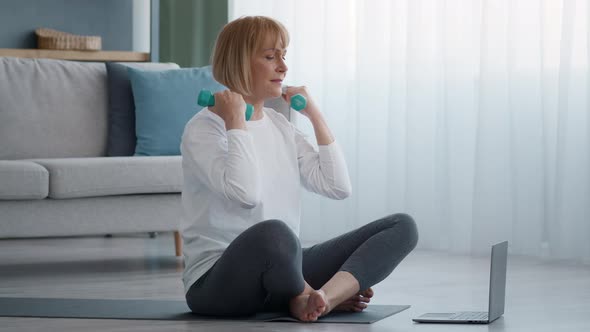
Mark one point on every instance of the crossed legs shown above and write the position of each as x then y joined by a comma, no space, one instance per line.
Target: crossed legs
264,268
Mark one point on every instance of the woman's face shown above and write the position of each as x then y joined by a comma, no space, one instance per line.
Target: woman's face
268,70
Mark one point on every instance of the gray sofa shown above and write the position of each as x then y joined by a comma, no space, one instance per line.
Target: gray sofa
55,177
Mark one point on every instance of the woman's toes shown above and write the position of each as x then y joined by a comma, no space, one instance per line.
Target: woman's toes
360,306
317,301
313,316
308,307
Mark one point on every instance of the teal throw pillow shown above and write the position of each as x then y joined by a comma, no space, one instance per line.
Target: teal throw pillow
164,102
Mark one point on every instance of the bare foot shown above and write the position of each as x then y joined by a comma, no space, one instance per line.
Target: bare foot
308,307
356,303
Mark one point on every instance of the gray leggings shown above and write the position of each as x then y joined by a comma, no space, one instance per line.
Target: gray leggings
264,267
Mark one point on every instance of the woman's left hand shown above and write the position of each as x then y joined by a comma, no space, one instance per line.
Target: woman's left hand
311,109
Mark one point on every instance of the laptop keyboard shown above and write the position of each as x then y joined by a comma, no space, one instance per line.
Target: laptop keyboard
471,315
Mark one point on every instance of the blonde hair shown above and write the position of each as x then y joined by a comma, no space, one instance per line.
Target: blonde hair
237,42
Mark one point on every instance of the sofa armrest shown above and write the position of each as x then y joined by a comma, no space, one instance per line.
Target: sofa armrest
279,105
21,180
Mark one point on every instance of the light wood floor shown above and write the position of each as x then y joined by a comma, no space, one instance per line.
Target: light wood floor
540,296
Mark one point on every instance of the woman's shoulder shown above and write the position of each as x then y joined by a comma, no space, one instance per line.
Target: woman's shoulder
206,118
205,121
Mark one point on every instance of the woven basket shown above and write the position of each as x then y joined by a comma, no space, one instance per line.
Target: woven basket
58,40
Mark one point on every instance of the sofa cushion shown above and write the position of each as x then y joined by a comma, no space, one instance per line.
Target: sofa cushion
121,126
164,102
52,108
89,177
21,179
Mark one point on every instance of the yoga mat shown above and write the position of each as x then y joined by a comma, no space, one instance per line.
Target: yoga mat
163,310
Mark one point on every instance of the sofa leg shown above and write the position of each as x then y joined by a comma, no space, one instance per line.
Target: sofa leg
178,243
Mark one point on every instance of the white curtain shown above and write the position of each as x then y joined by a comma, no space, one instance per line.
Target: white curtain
471,116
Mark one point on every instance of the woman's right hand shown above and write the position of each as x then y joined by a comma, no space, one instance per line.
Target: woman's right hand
231,107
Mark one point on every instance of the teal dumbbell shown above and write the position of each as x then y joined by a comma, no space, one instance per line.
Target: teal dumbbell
206,98
298,102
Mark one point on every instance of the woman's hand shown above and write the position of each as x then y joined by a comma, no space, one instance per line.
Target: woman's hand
323,134
230,106
311,109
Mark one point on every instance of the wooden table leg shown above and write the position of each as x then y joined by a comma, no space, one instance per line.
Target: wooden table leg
178,243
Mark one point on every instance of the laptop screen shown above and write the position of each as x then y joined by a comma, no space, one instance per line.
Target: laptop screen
498,280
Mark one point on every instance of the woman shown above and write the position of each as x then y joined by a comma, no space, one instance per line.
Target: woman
241,196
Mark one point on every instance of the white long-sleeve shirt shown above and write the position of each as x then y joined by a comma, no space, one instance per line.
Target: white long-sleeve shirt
234,179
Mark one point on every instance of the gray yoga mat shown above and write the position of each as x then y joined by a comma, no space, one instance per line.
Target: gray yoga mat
162,310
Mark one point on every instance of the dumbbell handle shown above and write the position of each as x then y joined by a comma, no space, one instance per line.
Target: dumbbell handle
206,98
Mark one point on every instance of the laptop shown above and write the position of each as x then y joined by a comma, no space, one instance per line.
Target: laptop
496,295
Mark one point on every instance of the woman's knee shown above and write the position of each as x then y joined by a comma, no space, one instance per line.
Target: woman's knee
274,238
404,224
273,228
410,229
